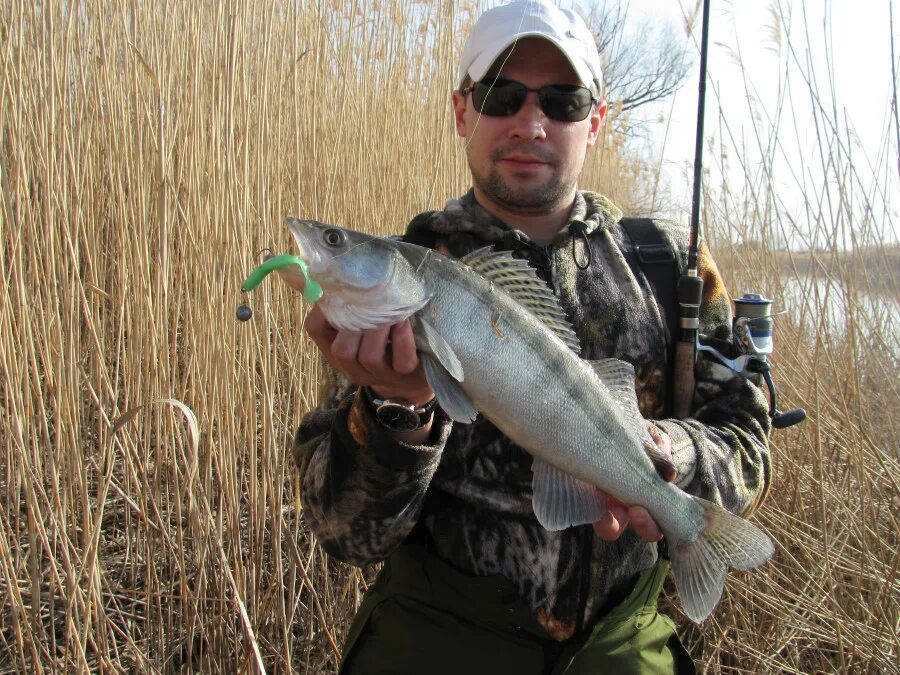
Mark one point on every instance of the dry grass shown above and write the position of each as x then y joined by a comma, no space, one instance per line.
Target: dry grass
148,153
830,600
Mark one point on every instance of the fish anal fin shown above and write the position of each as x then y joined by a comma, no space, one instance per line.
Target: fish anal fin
561,500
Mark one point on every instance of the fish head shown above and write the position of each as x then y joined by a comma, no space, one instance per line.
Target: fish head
367,281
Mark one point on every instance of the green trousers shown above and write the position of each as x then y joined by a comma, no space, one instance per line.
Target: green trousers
423,616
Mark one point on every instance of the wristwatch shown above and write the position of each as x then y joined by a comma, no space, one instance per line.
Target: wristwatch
397,415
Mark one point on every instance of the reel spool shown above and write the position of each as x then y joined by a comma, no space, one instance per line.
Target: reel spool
753,324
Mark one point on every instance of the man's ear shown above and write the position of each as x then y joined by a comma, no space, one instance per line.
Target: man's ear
458,102
597,116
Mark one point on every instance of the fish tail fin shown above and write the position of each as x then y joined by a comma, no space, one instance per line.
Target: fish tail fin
700,566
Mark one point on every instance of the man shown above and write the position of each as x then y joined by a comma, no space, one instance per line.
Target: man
472,583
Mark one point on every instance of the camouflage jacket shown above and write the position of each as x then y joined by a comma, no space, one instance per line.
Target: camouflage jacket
469,489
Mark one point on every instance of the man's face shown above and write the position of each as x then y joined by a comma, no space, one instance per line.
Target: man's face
527,162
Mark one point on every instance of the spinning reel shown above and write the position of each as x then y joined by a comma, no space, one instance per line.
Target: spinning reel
752,341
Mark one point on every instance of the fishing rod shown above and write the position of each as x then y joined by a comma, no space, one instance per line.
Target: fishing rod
690,285
752,325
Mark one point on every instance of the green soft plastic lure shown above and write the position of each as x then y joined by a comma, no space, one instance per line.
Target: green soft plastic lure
312,291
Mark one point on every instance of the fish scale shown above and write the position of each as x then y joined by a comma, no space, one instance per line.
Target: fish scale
554,381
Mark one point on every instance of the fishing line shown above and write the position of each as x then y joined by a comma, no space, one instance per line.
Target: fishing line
509,52
349,250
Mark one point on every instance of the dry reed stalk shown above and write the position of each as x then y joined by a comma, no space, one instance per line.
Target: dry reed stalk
830,600
149,152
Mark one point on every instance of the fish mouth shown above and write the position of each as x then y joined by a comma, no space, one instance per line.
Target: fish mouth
304,236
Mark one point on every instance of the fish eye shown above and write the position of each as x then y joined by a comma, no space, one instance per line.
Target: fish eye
334,237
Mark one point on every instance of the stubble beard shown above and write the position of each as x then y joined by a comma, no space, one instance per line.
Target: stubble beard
538,199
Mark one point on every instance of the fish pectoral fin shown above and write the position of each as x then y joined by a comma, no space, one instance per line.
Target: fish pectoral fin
560,500
450,396
429,341
443,371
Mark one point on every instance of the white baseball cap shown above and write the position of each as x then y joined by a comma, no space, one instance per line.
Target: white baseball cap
501,26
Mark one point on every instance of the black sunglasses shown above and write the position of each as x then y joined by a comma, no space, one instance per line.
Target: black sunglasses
501,98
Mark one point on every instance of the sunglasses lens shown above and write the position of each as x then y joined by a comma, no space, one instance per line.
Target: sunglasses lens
560,102
498,98
565,103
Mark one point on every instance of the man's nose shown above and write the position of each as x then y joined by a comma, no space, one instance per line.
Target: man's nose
529,122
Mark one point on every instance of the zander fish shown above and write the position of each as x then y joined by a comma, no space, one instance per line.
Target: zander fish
492,339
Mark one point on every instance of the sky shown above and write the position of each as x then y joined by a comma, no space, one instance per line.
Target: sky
855,34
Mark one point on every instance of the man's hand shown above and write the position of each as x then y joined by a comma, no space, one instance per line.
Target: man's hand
384,358
619,516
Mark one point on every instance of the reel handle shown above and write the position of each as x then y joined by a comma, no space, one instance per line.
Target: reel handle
788,418
780,420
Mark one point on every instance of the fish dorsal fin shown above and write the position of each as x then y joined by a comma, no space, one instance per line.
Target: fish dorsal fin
520,281
618,376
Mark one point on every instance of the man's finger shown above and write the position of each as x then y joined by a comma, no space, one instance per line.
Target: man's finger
403,348
660,453
318,328
642,523
663,464
372,349
346,346
614,521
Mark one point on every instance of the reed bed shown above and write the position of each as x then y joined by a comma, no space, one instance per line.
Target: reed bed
149,515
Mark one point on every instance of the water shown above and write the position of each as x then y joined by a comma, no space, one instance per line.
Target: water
826,305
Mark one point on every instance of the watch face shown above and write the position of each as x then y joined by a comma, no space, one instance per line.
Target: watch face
398,417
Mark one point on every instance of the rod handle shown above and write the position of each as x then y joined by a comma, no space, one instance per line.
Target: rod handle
683,386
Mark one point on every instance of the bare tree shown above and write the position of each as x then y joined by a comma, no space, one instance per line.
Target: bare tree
646,64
